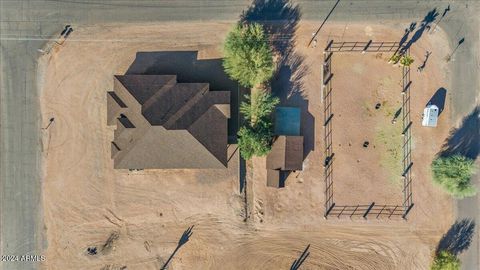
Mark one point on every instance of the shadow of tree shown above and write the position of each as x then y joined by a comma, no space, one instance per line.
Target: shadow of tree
279,19
407,33
458,238
288,81
464,140
424,25
182,241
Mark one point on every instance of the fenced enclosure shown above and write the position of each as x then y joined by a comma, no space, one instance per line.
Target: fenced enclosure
372,210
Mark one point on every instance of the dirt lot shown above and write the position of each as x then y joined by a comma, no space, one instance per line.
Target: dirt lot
85,200
361,81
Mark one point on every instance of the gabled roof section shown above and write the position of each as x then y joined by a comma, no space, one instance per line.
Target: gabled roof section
143,87
211,132
159,148
286,154
174,103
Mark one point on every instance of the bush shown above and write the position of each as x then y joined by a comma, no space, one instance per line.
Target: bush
445,261
454,174
247,55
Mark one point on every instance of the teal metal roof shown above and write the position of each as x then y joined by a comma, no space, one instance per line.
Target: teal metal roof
287,121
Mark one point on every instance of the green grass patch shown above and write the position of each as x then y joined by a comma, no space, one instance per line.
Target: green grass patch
388,140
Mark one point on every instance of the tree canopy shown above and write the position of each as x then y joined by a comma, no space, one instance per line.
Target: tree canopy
254,141
255,138
258,106
445,261
454,174
248,57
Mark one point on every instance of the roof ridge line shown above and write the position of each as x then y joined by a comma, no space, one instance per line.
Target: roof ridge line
160,92
186,107
199,141
123,152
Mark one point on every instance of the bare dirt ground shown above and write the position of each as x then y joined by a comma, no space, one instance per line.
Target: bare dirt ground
86,200
366,174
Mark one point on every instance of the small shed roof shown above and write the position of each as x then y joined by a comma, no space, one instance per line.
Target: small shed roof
286,154
273,178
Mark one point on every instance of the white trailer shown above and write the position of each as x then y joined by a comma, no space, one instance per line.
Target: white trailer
430,116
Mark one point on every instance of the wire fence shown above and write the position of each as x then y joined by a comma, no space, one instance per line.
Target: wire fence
365,210
327,123
407,139
358,46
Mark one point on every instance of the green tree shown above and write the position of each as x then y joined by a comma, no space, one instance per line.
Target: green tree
255,138
258,107
454,174
254,141
445,261
248,57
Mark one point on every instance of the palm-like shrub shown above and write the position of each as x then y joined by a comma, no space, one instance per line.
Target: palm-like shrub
445,261
406,60
394,59
247,55
454,174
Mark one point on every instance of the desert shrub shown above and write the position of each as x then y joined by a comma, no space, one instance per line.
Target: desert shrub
248,57
453,174
445,260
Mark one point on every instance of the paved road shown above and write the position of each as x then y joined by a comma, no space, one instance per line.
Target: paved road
468,208
25,24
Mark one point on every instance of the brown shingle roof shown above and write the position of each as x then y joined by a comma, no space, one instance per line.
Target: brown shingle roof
286,154
143,87
177,125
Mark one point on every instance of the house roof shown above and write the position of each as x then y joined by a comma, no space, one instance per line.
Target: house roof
286,154
184,124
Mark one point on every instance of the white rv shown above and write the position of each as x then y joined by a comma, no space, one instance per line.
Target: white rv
430,116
